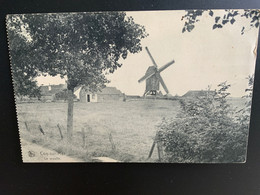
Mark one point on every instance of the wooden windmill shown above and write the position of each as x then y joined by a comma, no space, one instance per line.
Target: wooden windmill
153,78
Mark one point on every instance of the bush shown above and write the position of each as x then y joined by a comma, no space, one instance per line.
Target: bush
206,130
63,95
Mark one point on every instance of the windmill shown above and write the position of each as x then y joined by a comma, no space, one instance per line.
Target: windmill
153,78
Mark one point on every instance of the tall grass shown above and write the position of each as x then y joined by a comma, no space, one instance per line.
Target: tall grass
131,124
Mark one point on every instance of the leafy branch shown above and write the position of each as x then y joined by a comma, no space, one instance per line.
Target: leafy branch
230,17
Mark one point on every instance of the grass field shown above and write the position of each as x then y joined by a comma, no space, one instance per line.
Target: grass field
132,125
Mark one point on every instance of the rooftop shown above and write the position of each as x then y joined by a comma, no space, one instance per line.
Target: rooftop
198,93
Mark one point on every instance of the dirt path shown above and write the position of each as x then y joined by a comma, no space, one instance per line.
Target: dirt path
33,153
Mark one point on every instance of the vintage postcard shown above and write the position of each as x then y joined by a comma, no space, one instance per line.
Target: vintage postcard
146,86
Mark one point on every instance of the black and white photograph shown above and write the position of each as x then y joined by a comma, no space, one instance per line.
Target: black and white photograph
134,86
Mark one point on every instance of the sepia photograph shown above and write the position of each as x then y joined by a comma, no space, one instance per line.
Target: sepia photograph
135,86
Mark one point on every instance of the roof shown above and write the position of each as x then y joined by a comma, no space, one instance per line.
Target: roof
150,70
198,93
110,91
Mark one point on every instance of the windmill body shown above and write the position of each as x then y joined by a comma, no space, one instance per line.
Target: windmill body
153,78
152,83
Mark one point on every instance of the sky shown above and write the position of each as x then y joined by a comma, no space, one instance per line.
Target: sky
203,57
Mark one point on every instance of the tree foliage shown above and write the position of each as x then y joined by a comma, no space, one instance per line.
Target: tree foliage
230,17
244,114
79,46
206,130
23,66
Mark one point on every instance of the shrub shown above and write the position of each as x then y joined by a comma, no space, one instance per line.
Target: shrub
206,130
63,95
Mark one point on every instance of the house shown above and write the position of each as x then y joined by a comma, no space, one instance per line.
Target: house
85,96
105,95
48,92
198,93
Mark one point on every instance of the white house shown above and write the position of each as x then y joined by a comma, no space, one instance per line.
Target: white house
106,94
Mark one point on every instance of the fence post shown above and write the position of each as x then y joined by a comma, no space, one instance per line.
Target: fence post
26,126
83,137
160,151
41,130
159,147
58,125
112,142
152,148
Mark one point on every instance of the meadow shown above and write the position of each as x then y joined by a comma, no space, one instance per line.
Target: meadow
120,130
132,125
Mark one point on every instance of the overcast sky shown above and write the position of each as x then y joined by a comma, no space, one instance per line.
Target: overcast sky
202,57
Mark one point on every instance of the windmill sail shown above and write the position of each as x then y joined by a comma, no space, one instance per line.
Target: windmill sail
151,57
166,66
163,84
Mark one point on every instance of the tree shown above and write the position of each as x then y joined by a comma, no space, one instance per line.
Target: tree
23,76
80,47
192,16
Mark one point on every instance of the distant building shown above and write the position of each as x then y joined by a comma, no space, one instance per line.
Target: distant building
105,95
198,93
48,91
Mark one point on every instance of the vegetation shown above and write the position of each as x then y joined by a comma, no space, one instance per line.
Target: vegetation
21,55
207,129
63,95
192,16
80,47
131,123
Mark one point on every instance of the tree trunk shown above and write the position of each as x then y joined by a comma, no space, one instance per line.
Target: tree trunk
70,114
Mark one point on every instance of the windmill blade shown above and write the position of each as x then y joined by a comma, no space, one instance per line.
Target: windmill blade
166,66
146,76
163,84
151,57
